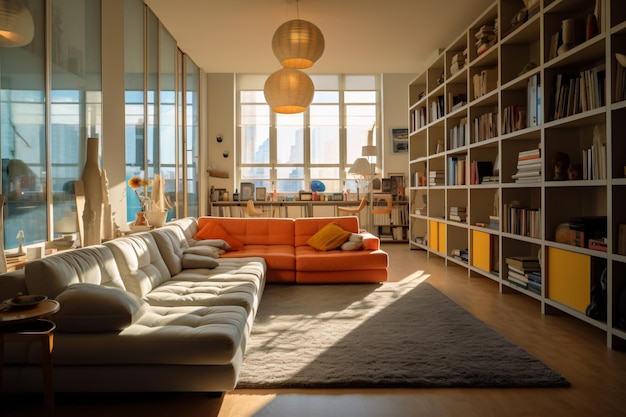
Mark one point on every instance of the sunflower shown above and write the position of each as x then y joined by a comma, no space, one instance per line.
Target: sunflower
136,182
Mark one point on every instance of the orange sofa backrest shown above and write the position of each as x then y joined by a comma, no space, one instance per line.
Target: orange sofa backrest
305,227
255,231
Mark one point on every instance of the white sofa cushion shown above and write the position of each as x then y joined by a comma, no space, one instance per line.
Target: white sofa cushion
140,263
96,308
171,243
93,264
235,281
192,261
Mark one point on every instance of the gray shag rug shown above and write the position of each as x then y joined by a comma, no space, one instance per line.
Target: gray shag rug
389,335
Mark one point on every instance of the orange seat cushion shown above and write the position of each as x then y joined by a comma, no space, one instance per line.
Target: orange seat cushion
215,231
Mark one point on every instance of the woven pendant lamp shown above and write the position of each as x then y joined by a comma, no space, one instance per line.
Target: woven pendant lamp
289,91
298,44
16,24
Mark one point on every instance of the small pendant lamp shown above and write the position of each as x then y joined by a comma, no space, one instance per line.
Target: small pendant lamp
289,91
298,44
16,24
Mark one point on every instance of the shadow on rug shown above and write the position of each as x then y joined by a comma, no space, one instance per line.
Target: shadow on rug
388,335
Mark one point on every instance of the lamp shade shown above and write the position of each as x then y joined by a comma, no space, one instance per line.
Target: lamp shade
361,166
298,44
368,150
289,91
16,24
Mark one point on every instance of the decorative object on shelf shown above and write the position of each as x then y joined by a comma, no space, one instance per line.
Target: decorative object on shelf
92,182
261,193
140,219
217,173
560,163
317,186
297,44
159,203
140,187
572,34
591,28
17,27
247,191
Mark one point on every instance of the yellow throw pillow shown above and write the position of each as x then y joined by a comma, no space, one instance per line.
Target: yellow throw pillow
329,237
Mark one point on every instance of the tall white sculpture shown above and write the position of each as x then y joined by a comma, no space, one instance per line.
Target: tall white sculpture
92,180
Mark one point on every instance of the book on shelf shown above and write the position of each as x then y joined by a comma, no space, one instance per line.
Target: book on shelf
494,222
597,244
523,262
460,254
486,126
485,81
436,177
458,134
458,214
437,109
514,118
479,170
580,92
621,239
533,103
620,77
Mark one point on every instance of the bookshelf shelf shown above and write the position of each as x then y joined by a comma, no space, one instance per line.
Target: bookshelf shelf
517,111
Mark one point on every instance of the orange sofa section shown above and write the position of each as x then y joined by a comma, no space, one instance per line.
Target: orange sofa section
282,242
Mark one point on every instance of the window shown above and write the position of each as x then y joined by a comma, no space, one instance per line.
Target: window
290,151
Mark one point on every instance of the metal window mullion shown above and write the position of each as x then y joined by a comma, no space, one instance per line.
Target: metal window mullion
273,147
184,130
47,115
145,91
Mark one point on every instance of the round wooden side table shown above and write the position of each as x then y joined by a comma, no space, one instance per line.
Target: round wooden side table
25,324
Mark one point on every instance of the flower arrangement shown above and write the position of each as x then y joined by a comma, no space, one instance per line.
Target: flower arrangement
139,185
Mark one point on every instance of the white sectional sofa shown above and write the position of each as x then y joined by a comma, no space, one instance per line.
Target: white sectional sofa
153,311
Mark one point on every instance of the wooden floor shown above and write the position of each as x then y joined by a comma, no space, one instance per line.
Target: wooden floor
576,350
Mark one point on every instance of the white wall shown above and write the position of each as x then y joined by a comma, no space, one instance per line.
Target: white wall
395,99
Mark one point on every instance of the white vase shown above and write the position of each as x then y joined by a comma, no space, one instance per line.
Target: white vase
92,180
156,218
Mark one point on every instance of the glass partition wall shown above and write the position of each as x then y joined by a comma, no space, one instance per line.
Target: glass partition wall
162,112
51,102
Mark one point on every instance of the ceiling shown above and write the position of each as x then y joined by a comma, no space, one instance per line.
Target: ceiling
362,36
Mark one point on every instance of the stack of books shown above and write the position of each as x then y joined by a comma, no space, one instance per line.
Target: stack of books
524,272
460,254
436,177
458,62
458,214
528,166
485,38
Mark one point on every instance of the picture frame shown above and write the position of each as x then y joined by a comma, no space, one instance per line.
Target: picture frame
261,193
399,140
305,196
386,186
219,193
397,184
246,191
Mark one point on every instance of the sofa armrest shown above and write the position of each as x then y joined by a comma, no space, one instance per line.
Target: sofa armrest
370,241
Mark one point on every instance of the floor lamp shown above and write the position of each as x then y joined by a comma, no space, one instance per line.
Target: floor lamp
361,167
